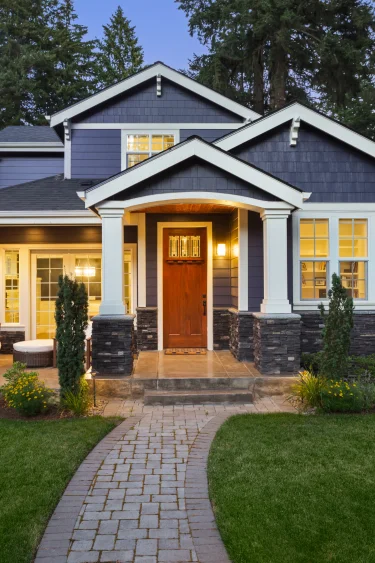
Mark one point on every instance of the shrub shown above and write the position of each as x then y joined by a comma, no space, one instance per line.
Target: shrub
27,394
14,372
71,321
77,402
362,366
311,362
308,390
343,396
338,324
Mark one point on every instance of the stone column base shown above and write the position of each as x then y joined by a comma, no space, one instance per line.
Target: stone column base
221,328
241,334
112,344
147,328
10,336
277,343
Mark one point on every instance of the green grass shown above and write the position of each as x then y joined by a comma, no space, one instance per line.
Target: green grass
37,459
295,489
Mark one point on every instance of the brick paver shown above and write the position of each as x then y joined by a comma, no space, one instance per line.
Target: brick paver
141,496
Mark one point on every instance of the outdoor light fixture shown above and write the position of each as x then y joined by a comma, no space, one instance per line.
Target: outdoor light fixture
86,272
221,249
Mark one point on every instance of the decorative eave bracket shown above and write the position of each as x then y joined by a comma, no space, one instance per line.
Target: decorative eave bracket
294,130
67,129
158,85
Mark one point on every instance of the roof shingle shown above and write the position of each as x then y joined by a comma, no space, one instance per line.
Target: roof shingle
29,134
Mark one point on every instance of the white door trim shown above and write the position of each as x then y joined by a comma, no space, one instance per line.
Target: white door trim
177,225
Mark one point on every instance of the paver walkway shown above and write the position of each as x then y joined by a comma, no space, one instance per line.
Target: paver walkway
141,496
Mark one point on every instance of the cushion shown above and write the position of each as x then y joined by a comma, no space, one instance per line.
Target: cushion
88,331
34,346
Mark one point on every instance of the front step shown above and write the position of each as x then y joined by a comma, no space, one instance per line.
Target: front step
196,397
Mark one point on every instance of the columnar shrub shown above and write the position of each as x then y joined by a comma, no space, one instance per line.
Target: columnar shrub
71,321
338,323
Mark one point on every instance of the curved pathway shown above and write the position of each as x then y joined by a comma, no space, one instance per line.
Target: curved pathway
141,495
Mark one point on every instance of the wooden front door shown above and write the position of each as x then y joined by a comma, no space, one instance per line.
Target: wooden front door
185,287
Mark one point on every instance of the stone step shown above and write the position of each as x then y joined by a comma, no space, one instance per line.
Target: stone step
195,383
196,397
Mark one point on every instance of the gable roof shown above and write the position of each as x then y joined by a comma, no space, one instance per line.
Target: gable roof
27,138
192,147
310,116
152,71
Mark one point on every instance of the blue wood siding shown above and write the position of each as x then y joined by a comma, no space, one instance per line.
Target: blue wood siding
209,135
194,175
175,105
96,153
255,266
331,170
221,266
233,260
26,168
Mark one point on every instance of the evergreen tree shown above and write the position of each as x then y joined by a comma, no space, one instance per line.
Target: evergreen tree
119,55
71,317
338,324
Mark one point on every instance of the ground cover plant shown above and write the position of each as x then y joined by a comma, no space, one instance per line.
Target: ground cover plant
291,488
38,458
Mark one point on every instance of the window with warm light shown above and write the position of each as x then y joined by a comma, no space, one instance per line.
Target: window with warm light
12,280
314,258
88,269
353,245
141,146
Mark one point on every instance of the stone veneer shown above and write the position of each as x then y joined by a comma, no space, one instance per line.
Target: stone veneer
112,344
363,334
221,328
241,334
277,343
10,337
147,328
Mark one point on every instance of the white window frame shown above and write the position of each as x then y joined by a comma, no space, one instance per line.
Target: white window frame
150,132
333,259
314,258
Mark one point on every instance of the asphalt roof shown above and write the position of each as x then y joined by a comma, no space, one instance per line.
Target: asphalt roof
29,134
48,194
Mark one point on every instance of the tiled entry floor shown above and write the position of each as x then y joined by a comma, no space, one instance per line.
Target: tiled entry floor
213,364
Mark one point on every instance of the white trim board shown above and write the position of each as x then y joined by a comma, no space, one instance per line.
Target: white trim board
309,116
206,152
147,74
17,148
166,126
210,315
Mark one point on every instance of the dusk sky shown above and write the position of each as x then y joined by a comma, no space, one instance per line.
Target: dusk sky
162,28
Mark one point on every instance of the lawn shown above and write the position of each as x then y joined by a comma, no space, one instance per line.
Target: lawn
37,459
291,488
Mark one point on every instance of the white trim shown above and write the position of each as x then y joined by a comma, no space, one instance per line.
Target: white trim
243,260
348,211
68,150
294,130
210,319
338,207
49,217
206,152
141,259
140,126
34,148
306,115
143,76
147,131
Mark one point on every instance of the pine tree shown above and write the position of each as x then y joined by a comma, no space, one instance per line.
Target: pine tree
338,324
71,317
119,55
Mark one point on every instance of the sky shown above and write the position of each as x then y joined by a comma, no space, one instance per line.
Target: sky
162,28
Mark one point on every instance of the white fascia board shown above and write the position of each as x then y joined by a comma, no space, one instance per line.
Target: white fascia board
206,152
143,76
339,207
31,147
144,127
307,115
83,217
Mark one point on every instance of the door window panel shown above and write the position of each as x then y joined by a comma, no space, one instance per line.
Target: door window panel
12,279
88,269
48,270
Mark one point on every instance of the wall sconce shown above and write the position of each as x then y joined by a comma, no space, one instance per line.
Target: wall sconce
221,249
235,250
87,272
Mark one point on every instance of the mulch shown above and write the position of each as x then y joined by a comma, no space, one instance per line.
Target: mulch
54,413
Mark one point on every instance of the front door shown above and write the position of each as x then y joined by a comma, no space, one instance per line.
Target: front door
185,287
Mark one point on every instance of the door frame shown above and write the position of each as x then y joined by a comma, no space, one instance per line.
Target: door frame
186,225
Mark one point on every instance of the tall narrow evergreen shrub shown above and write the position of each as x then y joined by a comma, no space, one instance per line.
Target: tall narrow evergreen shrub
71,317
338,324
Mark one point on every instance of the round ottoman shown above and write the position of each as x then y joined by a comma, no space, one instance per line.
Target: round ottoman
34,353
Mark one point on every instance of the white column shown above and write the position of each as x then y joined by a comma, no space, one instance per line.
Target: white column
112,262
243,260
275,262
24,291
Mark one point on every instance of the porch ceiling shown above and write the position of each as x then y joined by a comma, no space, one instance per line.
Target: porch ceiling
193,208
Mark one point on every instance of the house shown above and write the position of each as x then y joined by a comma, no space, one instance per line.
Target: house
191,219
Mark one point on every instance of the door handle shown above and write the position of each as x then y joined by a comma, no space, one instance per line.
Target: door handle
204,308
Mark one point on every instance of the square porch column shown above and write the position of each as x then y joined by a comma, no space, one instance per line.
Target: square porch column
277,331
112,262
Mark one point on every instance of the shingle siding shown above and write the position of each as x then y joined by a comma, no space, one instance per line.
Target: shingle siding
96,153
175,105
331,170
26,168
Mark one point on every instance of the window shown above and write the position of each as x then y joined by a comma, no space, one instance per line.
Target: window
141,146
48,270
185,246
12,278
88,269
314,245
128,280
353,244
